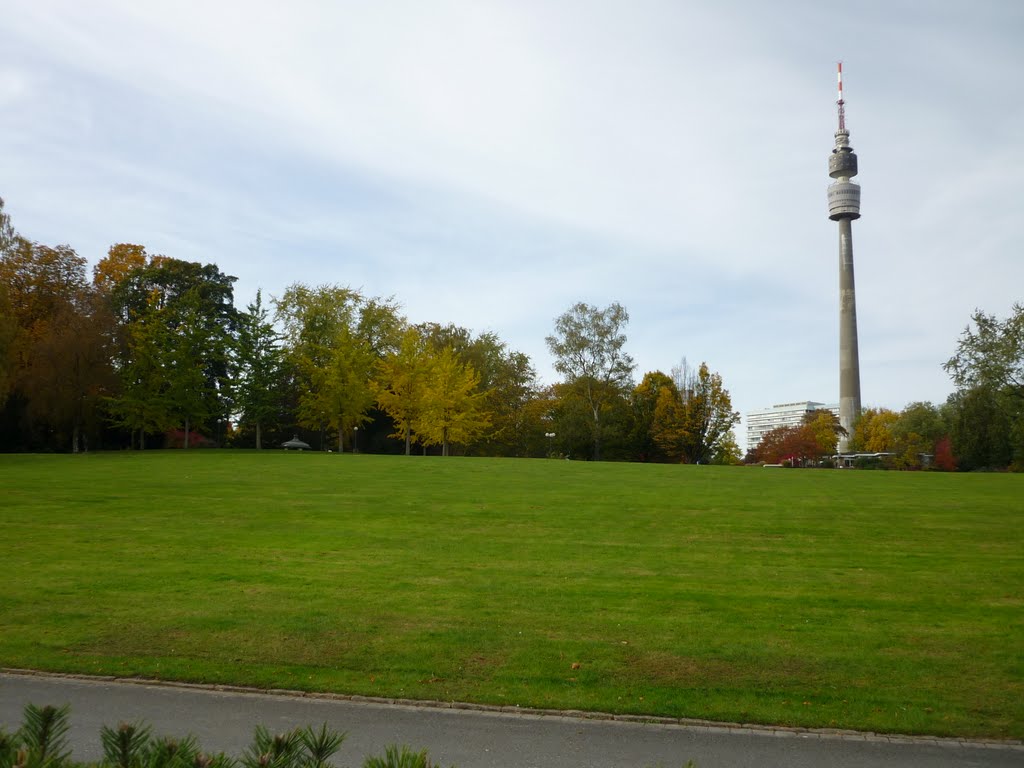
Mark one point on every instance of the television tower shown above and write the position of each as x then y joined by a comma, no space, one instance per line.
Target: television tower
844,207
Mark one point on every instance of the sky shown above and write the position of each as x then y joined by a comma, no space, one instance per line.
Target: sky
491,163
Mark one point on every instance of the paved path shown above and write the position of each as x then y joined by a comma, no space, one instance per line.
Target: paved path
224,721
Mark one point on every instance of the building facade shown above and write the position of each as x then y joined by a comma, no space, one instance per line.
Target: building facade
764,420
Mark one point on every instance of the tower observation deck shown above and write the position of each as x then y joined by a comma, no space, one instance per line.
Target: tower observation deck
844,207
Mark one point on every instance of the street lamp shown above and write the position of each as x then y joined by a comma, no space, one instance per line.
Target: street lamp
550,436
355,439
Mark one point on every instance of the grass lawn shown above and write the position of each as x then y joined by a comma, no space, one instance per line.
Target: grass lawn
871,600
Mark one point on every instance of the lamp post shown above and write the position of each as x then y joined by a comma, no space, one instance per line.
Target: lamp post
355,439
550,436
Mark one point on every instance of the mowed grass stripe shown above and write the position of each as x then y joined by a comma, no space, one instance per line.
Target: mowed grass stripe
869,600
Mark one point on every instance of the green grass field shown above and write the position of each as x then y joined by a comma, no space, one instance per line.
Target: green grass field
871,600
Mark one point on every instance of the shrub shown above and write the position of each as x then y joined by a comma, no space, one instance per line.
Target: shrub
41,742
404,758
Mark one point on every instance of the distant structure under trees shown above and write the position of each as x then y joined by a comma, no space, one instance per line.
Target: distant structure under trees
763,420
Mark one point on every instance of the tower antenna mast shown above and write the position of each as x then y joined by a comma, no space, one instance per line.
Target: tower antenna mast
840,102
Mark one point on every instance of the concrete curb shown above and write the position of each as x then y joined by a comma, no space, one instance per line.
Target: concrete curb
704,726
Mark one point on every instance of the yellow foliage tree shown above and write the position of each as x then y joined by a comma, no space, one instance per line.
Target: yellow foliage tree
121,260
341,391
693,419
402,380
453,408
873,431
667,428
825,428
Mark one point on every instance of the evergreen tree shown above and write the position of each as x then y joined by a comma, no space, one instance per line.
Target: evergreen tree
259,360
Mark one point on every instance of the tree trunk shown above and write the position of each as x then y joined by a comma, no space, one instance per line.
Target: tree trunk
186,433
341,440
74,439
408,441
259,437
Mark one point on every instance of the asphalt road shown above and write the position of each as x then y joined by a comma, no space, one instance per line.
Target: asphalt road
224,721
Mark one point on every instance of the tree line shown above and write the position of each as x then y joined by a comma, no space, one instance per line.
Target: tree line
980,426
151,351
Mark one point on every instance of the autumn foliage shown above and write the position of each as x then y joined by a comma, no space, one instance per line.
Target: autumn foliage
152,348
805,445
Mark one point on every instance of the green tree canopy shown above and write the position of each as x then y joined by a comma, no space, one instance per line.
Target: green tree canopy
259,363
988,371
990,355
334,338
588,348
177,324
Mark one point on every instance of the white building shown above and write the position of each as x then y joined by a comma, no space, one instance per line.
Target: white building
764,420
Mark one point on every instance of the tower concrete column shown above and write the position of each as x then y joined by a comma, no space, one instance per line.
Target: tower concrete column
849,356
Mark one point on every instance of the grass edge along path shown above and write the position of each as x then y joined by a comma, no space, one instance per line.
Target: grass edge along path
883,602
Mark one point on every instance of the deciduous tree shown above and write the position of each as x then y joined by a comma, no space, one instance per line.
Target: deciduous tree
402,383
982,432
53,342
916,433
71,373
7,233
825,429
342,388
121,261
506,383
177,321
334,338
792,444
989,365
873,431
8,334
8,322
692,421
990,355
644,402
588,349
452,407
141,405
727,451
193,345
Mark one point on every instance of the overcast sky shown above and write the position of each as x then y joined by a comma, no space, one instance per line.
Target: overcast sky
490,163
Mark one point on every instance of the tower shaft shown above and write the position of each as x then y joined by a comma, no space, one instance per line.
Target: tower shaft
849,355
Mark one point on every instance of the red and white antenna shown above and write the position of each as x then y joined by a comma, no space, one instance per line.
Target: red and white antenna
841,103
